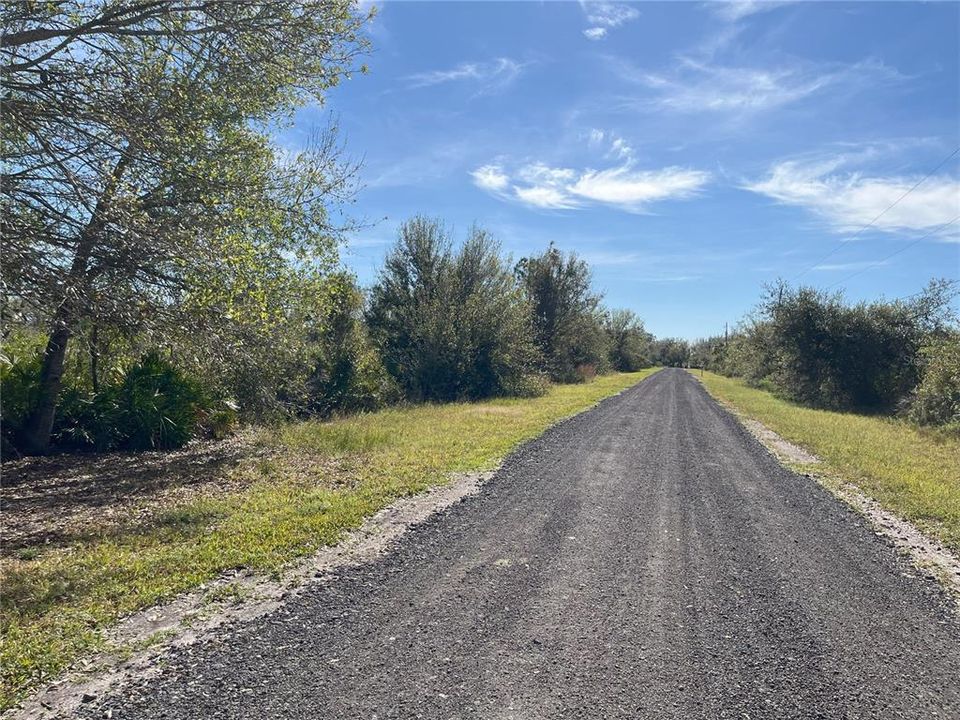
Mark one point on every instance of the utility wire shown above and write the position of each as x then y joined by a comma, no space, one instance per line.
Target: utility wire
870,224
896,252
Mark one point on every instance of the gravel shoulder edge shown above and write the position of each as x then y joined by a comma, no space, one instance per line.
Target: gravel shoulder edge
927,555
135,647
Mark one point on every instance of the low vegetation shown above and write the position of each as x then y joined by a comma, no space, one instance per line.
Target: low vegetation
896,358
317,480
913,471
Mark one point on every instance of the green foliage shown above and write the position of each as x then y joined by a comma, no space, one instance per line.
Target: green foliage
814,348
450,324
348,374
154,405
159,406
671,352
833,355
89,421
936,400
19,392
630,344
171,216
566,317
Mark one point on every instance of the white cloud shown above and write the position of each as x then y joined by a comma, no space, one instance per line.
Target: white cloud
490,177
545,196
735,10
615,146
623,187
608,14
495,73
603,16
695,87
634,189
850,200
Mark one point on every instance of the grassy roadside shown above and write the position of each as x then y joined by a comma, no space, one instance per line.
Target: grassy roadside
324,479
913,472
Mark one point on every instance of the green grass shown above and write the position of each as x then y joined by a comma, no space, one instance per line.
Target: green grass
325,479
911,471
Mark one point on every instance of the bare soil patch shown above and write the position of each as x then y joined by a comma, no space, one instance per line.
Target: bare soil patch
55,500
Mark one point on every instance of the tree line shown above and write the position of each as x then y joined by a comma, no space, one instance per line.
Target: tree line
167,271
897,357
443,321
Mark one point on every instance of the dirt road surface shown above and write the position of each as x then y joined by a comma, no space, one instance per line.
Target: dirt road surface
646,559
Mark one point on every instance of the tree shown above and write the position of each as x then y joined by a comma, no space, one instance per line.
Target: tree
450,324
865,356
566,315
347,372
671,352
629,342
139,180
936,399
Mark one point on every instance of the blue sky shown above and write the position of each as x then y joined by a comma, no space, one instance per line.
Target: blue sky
690,151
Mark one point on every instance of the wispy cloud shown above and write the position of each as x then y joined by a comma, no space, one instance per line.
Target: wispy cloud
697,87
611,144
603,16
734,10
496,73
624,186
491,178
848,199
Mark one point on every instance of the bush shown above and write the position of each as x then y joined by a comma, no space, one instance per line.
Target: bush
348,374
936,400
567,320
159,406
450,324
629,342
154,405
19,393
861,357
89,421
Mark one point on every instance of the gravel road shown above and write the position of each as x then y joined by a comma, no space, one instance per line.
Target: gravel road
646,559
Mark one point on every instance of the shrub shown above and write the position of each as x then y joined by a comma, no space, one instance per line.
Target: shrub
629,342
348,374
450,324
566,318
89,421
219,422
19,393
936,400
865,356
160,407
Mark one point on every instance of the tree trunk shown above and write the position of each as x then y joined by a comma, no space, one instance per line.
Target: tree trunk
36,432
94,359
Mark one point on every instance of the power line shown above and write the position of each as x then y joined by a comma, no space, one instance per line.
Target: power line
896,252
870,224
